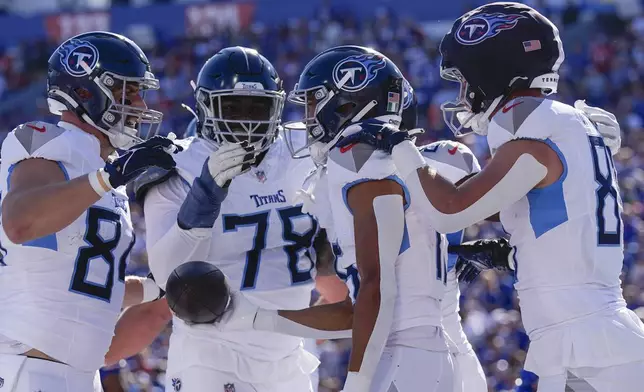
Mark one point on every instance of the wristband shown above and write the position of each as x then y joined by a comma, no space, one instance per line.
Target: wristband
99,181
151,292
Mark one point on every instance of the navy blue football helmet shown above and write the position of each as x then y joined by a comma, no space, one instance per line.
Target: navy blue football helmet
494,51
339,87
101,77
410,108
239,98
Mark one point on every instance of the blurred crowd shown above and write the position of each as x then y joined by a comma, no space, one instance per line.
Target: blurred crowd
604,65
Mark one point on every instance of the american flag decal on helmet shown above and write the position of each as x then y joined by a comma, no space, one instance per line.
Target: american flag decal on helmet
393,102
532,45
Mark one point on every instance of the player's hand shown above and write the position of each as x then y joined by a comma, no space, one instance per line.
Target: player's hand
239,315
381,135
606,124
156,151
229,161
480,255
202,205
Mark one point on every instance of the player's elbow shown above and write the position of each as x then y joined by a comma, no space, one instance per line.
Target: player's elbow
369,294
18,229
446,222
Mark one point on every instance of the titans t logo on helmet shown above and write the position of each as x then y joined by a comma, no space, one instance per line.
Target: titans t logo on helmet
75,52
408,94
483,26
358,71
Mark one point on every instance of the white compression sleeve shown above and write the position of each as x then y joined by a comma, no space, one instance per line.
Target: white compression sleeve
390,218
522,177
168,245
270,320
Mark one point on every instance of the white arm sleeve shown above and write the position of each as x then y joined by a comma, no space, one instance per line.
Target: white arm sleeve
390,218
270,320
167,244
522,177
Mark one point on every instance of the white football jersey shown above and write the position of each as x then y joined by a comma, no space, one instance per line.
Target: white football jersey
261,241
421,269
454,161
61,294
568,235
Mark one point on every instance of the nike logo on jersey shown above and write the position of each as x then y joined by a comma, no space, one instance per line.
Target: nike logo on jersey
347,148
508,108
35,128
452,151
269,199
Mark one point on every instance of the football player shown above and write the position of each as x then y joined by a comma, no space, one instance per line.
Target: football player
65,218
456,162
232,202
553,180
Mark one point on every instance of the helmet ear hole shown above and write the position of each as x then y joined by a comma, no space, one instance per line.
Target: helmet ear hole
346,109
83,93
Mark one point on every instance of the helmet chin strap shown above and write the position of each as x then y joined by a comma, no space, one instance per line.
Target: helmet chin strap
478,122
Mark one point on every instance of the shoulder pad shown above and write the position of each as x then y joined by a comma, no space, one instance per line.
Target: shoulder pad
363,161
137,189
452,160
35,139
190,161
521,118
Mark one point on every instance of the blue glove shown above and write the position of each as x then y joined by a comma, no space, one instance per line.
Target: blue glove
201,207
154,152
381,135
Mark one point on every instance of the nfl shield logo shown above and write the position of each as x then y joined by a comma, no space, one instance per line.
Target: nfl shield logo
261,177
229,387
176,384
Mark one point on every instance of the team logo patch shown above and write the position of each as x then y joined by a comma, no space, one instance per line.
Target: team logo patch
229,387
1,382
408,94
176,384
483,26
359,69
76,52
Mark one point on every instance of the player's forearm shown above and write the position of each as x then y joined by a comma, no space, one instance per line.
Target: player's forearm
332,321
176,247
365,312
137,327
330,317
450,209
38,212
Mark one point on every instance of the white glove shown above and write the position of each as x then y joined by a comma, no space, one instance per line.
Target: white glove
240,314
229,161
606,124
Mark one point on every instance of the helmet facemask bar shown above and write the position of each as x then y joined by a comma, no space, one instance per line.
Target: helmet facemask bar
458,113
222,124
313,100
